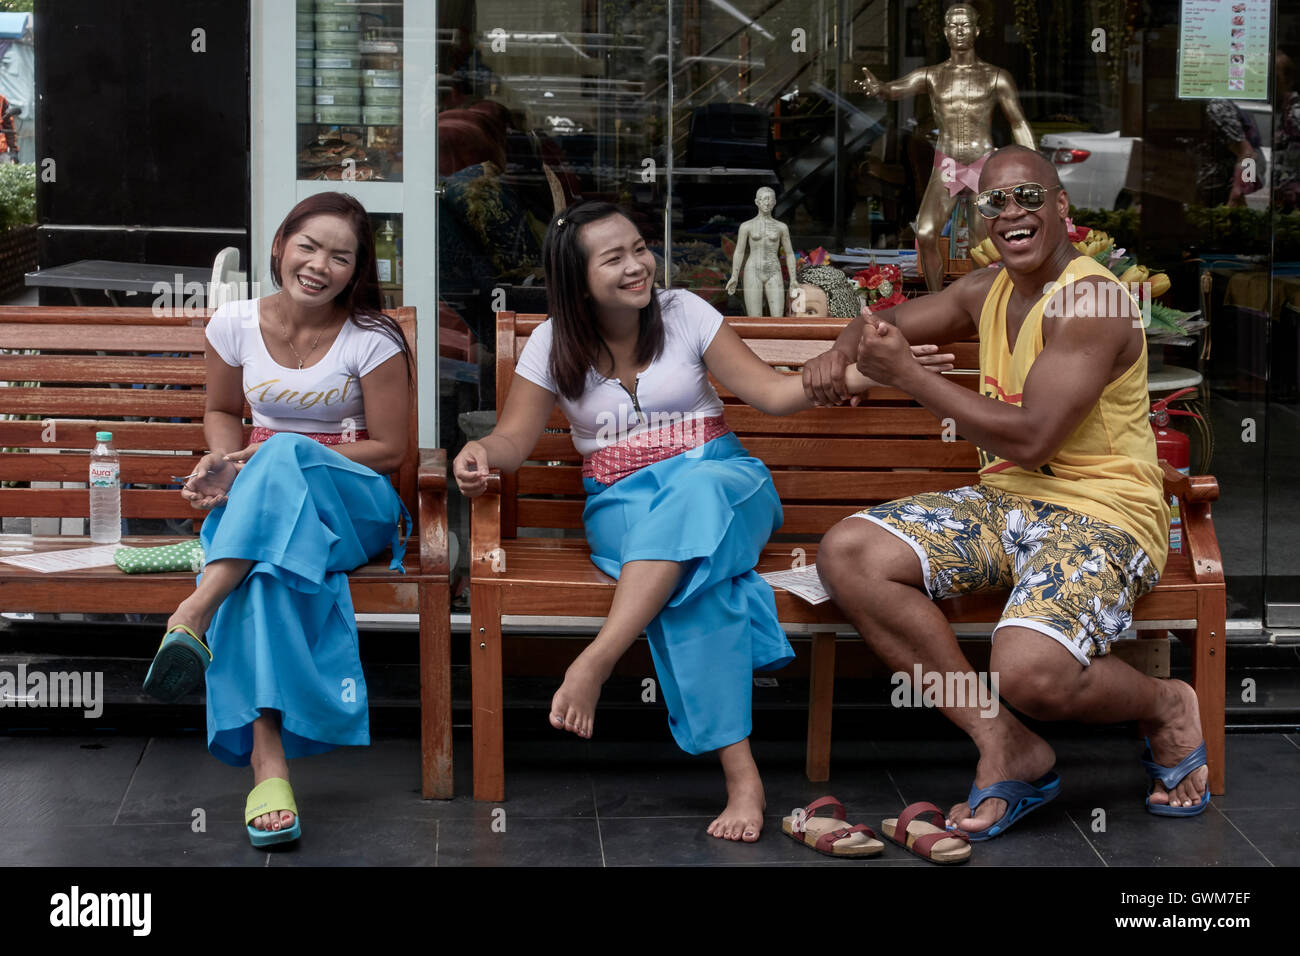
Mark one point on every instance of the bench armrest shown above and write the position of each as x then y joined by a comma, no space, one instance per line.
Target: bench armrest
432,472
431,493
485,529
1195,493
1189,488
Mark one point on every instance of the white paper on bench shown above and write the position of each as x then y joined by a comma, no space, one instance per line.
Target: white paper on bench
73,559
803,583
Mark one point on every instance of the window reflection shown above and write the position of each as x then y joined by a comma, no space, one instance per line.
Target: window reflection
349,90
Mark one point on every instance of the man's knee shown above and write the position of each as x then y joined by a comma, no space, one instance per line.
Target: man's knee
1035,673
856,552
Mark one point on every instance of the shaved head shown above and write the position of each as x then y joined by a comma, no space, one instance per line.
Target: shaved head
1044,173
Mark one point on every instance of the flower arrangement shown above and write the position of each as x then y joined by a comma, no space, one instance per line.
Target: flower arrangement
882,285
818,257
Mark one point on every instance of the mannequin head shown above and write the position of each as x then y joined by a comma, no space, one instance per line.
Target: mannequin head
828,291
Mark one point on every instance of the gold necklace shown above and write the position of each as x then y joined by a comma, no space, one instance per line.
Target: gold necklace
290,342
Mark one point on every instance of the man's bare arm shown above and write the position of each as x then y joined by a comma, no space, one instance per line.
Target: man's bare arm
1063,385
938,318
1010,103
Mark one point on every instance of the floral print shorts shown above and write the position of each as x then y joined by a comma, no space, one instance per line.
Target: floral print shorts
1071,576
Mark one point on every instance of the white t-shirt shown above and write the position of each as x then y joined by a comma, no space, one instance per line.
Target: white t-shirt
674,388
322,398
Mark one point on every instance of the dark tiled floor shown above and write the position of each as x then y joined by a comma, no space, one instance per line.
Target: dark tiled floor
162,801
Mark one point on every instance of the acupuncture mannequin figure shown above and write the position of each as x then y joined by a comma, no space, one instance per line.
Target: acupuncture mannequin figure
764,236
963,90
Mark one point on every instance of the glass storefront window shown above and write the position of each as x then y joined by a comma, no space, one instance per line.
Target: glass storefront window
683,110
349,90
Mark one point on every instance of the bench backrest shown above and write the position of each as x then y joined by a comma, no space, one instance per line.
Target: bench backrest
128,371
820,464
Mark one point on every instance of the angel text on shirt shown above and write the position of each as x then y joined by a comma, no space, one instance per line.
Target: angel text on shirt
288,396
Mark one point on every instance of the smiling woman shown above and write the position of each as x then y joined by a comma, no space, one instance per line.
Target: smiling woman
677,510
270,626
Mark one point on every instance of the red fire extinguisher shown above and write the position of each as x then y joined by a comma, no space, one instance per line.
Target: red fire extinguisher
1176,448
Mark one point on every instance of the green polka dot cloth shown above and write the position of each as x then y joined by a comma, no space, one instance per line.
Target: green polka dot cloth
186,556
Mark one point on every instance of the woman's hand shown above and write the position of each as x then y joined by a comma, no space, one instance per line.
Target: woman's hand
928,355
925,355
240,458
212,480
471,469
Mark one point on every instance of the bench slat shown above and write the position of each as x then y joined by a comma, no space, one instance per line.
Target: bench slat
799,519
790,485
838,421
107,402
68,433
137,469
796,353
75,502
107,338
71,316
966,379
825,452
900,420
128,370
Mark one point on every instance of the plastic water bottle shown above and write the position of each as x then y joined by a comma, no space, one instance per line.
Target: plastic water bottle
105,492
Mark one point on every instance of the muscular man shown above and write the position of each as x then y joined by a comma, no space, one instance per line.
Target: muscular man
1069,513
963,90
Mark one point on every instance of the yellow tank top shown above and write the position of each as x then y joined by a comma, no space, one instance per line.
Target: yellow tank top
1107,468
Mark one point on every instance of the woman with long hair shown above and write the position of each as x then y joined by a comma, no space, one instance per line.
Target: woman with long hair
676,509
270,626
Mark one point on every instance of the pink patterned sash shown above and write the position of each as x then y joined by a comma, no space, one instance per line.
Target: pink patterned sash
608,465
325,438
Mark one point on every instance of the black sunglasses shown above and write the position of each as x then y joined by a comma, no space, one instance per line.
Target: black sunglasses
1028,196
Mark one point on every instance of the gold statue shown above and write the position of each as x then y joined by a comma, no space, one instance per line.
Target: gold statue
963,91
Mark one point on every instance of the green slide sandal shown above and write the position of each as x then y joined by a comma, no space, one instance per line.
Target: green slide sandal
179,665
271,796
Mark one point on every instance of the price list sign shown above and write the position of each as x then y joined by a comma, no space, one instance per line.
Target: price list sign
1223,49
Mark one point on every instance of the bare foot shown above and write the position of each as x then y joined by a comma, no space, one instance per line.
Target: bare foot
1173,737
1024,756
265,769
574,706
742,817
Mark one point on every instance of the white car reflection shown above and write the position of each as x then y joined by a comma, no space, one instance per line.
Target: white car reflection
1094,167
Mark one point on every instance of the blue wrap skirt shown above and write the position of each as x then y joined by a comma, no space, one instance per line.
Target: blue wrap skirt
712,508
286,638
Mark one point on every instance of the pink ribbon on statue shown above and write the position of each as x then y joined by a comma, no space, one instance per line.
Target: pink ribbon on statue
964,175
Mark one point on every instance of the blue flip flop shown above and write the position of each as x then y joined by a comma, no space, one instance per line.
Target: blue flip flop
1021,798
179,665
1172,777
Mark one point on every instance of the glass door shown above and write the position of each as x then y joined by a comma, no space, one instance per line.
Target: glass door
345,111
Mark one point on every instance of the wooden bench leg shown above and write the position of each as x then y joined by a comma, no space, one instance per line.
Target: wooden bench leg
435,691
1209,678
485,672
821,695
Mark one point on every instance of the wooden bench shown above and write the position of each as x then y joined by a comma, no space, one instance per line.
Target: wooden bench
65,390
826,463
